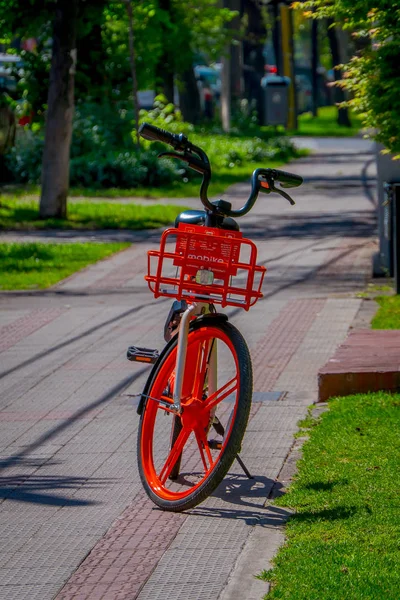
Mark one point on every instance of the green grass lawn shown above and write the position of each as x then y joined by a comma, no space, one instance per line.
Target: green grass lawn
233,158
325,124
23,213
222,178
388,315
343,540
37,265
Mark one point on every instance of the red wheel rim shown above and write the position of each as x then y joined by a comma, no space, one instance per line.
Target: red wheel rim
200,409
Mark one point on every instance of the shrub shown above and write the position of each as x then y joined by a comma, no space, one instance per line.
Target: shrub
225,151
122,169
23,163
166,116
103,155
101,128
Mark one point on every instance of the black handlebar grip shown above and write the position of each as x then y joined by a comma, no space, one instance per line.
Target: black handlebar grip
287,179
155,134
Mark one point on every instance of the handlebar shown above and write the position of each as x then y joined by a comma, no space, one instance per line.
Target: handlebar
155,134
261,180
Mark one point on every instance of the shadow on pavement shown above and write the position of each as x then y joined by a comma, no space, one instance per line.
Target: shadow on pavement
70,341
358,224
32,489
52,433
242,493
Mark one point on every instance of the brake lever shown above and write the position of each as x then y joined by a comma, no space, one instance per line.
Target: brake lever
281,192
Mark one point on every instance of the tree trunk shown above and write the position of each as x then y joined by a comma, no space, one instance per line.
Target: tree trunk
7,129
226,93
276,37
253,56
236,50
165,66
55,169
133,71
338,93
189,99
314,66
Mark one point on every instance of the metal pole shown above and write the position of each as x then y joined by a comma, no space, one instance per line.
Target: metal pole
396,235
181,354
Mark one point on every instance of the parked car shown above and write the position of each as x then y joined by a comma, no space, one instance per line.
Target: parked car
7,80
212,76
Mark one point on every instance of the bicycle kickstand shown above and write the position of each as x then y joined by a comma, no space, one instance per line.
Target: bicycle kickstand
245,469
220,429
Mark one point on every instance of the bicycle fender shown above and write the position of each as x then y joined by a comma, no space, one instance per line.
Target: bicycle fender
211,318
208,319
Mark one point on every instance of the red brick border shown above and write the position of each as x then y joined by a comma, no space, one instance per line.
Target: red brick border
19,329
281,341
122,561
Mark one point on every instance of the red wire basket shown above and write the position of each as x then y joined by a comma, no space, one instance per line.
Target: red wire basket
205,264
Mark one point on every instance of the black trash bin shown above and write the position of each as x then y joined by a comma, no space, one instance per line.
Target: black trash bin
275,100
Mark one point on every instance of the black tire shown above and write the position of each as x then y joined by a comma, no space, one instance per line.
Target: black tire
232,445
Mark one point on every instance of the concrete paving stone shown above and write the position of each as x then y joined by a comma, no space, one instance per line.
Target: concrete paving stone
270,445
25,326
49,394
328,330
208,567
27,591
197,527
11,432
120,464
75,467
34,432
27,455
10,316
118,494
243,582
50,552
32,575
272,418
93,438
264,470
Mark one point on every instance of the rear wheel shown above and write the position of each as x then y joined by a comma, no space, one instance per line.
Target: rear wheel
183,458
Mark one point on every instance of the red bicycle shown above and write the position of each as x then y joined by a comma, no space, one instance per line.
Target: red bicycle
195,405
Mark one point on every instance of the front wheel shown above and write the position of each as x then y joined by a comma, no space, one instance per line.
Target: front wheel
183,458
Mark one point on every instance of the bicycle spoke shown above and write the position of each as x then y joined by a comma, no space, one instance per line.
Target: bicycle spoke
217,397
202,361
203,446
173,456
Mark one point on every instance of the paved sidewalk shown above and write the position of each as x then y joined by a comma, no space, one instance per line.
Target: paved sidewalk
75,522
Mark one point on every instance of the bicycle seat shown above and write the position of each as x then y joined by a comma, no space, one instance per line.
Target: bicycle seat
198,217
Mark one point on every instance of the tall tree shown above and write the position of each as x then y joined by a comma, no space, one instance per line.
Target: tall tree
165,68
132,57
372,75
253,53
55,169
314,66
339,96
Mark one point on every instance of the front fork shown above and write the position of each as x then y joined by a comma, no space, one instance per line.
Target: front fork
192,310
